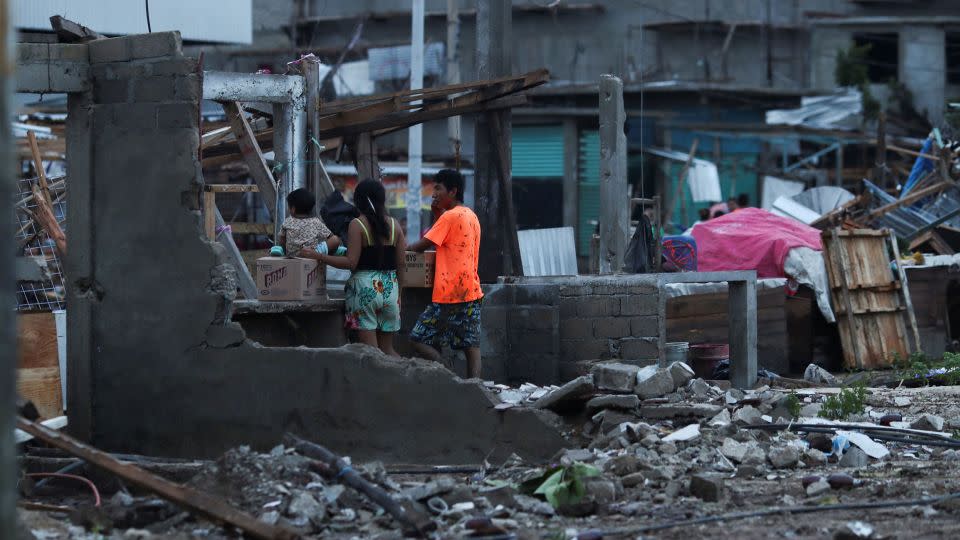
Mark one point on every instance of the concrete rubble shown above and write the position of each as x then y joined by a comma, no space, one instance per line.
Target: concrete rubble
637,469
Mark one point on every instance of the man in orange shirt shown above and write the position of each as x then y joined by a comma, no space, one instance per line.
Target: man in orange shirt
453,317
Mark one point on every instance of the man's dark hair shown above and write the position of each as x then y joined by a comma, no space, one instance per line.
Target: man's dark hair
743,201
301,200
451,180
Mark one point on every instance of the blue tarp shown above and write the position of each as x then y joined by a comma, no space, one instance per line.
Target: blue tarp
921,167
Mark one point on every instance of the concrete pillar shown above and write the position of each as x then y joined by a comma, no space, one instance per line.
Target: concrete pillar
8,337
923,68
614,196
571,153
742,309
494,19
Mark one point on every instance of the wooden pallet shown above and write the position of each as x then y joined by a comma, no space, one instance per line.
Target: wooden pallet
869,301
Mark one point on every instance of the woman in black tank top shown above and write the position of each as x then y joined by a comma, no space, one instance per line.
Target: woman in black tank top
375,250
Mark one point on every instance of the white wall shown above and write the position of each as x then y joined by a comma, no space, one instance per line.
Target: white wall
222,21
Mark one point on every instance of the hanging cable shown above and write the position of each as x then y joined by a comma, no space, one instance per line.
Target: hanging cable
147,5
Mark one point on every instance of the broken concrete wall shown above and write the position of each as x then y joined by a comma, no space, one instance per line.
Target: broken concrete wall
156,364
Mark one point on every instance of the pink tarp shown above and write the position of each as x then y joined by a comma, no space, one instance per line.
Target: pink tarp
751,239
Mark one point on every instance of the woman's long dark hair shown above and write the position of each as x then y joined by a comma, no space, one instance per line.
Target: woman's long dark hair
370,199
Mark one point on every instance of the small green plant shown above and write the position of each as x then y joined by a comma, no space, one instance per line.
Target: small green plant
561,485
921,369
848,402
792,402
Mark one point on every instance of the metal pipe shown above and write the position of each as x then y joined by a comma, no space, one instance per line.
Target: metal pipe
228,86
415,145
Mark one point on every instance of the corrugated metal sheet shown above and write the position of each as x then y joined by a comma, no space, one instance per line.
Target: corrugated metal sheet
910,222
548,252
223,21
588,180
392,63
537,151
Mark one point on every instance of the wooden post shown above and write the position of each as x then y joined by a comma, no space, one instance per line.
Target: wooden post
681,181
905,291
365,158
742,307
252,156
210,214
881,163
494,18
614,199
503,151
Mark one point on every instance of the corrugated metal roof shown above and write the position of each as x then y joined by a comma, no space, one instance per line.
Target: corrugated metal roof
223,21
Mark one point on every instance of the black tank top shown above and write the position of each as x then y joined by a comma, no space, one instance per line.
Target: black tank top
374,257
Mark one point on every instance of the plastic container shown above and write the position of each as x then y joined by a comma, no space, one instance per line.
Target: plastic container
705,357
676,352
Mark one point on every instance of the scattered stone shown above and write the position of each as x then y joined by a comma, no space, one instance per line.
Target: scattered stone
721,419
574,390
811,410
614,377
601,490
614,401
681,373
668,412
270,518
733,396
814,457
747,415
623,465
532,505
653,382
854,458
902,401
688,433
650,440
817,374
633,480
610,419
818,488
577,454
304,509
821,442
707,487
854,530
668,448
430,489
742,452
928,422
700,388
783,457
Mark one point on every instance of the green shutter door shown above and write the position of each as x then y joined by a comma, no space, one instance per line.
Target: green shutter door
538,151
588,179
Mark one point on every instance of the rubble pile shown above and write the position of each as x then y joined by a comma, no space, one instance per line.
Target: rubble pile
647,446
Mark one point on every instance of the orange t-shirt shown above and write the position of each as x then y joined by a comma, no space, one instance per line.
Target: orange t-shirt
457,236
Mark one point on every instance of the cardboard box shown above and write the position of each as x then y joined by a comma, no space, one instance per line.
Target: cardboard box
290,278
419,269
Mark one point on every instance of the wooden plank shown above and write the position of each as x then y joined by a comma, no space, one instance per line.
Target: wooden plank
909,199
42,386
38,165
239,227
875,288
851,346
444,110
187,497
231,188
252,156
210,214
911,316
37,340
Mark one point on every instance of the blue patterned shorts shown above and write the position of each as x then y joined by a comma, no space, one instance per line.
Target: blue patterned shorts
456,325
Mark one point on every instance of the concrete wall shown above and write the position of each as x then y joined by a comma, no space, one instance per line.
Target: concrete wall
156,364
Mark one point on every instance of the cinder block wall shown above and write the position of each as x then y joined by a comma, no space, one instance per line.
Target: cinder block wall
542,330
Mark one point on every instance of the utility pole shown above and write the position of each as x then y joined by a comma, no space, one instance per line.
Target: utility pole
494,18
453,71
614,197
415,142
8,336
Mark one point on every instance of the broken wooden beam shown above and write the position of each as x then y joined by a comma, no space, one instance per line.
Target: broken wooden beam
909,199
345,473
195,501
252,156
71,32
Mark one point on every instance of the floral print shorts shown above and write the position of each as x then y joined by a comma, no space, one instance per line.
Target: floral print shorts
457,325
373,301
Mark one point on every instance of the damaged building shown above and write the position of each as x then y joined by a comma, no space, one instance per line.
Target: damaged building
645,373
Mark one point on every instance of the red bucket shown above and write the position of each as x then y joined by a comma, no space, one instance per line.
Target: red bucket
705,357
